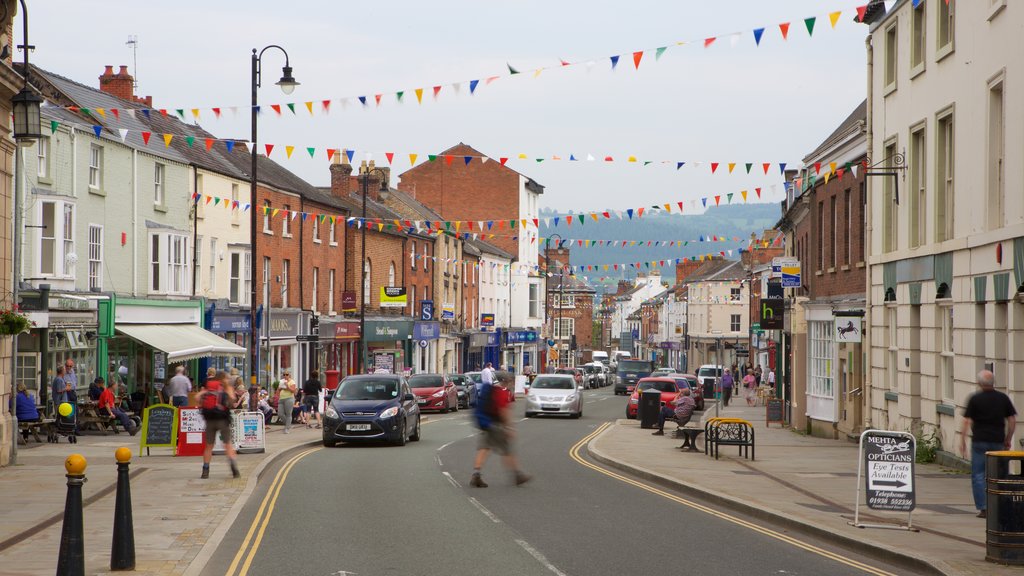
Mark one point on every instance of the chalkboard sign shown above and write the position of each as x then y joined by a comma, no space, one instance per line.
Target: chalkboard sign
773,411
159,423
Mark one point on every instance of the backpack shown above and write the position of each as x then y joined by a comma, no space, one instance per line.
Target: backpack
486,411
214,403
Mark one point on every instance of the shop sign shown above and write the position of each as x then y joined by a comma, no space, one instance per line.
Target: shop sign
393,297
426,331
772,313
283,325
483,340
388,330
448,312
426,310
487,320
669,346
346,331
848,329
788,269
348,301
224,323
521,337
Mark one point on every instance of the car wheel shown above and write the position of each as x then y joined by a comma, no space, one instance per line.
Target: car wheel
404,436
415,436
577,415
630,416
330,443
531,414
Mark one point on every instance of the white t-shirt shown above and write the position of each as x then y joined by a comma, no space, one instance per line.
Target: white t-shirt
771,377
487,376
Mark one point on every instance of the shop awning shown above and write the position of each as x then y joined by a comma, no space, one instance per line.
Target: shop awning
181,341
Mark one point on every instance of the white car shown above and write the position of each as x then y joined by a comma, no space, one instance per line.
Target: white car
708,376
554,394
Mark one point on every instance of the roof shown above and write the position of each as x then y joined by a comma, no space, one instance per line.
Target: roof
462,149
857,118
717,269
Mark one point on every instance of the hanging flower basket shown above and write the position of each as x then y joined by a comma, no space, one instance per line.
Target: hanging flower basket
12,322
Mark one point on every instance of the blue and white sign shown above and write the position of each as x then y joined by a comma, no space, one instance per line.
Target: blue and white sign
427,310
788,269
426,331
521,337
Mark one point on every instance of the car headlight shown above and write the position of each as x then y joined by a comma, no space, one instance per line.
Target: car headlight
331,412
570,398
438,394
389,413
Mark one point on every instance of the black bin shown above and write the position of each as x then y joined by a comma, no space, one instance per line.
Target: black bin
650,405
1004,531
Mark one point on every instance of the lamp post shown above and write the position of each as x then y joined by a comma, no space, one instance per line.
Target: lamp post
287,84
25,109
363,292
558,303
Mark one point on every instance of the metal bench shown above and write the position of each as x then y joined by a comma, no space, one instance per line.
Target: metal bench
720,432
689,433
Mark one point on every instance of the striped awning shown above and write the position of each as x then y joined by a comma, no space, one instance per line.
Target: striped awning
181,341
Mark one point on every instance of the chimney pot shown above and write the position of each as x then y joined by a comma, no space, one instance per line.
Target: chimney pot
123,71
109,71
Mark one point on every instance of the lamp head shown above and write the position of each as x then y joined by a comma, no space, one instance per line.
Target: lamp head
25,106
287,81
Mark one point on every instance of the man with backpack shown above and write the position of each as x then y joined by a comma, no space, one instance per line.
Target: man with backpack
214,400
496,432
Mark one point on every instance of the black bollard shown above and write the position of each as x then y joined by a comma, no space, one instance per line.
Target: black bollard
71,558
122,549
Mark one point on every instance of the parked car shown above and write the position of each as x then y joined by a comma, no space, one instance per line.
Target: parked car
465,388
695,389
609,375
663,372
372,407
591,376
477,379
667,386
435,392
554,394
629,372
602,373
576,373
708,376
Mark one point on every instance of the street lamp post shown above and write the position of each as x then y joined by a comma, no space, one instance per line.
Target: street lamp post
558,303
363,292
287,84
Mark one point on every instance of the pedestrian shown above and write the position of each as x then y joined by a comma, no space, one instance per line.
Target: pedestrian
59,389
108,404
179,387
70,376
214,399
286,400
311,397
496,431
241,395
727,384
486,377
96,388
990,415
684,407
25,408
757,374
750,388
771,379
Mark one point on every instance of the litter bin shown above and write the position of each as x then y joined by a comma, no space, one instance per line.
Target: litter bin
1004,533
650,405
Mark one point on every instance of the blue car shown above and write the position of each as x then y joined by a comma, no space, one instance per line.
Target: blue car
372,407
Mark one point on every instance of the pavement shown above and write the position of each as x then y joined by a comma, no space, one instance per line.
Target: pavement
810,484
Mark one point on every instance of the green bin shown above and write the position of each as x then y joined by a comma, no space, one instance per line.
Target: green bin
1004,533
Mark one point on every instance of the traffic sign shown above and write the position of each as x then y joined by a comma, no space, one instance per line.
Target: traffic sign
307,338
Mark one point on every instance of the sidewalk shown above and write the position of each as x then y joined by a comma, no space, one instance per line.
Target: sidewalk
175,513
810,484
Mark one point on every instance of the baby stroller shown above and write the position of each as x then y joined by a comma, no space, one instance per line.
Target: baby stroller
66,425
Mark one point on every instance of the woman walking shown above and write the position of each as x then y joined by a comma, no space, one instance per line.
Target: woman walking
286,400
750,388
727,384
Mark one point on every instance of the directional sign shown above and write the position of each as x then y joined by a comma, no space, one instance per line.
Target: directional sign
307,338
889,466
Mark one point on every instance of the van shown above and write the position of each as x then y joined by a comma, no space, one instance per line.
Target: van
600,356
629,371
708,377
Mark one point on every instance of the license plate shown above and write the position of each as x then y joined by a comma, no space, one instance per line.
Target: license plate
549,406
421,401
357,427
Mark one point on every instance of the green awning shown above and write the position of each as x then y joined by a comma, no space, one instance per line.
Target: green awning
181,341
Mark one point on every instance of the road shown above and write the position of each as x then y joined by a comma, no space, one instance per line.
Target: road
374,510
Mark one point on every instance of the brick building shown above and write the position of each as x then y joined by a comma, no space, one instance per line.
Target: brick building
757,262
570,305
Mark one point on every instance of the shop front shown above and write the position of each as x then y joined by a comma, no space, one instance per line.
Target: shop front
282,350
425,346
521,350
671,354
232,325
339,346
387,342
482,347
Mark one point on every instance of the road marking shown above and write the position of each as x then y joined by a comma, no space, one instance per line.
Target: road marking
452,480
540,557
574,453
447,445
437,457
522,420
483,509
260,520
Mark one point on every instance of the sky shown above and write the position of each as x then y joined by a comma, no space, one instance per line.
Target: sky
723,103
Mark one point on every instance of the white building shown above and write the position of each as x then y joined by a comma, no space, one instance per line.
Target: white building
718,312
645,287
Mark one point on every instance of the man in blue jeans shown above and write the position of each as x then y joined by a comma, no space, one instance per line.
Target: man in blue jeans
991,417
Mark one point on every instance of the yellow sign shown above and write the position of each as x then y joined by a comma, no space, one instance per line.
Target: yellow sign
392,297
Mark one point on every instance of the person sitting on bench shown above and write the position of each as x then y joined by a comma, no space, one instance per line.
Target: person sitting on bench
682,413
25,409
107,405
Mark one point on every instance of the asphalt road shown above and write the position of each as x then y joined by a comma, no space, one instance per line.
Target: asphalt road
373,510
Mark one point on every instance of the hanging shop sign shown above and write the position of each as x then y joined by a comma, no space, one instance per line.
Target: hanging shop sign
487,320
448,311
521,337
426,331
426,310
348,301
773,314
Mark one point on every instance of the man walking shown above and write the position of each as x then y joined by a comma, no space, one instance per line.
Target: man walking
311,389
486,377
214,400
495,431
991,417
179,387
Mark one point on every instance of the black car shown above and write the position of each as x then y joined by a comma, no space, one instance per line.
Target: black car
466,389
372,407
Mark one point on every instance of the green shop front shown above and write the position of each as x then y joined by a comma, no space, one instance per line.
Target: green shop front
388,343
142,341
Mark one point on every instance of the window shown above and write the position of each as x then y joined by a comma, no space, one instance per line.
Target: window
213,265
391,275
235,288
917,193
566,301
412,257
734,322
946,351
333,240
246,295
177,271
266,217
316,229
168,263
286,221
833,233
892,367
996,170
95,167
890,209
95,257
316,280
235,213
821,235
158,184
412,301
68,238
945,27
820,369
735,294
890,58
154,263
447,257
848,204
918,23
330,291
534,300
426,258
944,214
564,328
366,282
285,268
56,238
465,279
266,281
43,157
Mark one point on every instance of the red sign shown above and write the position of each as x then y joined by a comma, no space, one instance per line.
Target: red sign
348,301
191,432
346,331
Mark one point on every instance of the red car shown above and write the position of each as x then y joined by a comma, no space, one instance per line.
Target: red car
435,392
477,379
696,391
667,386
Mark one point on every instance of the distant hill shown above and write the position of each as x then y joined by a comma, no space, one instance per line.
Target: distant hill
729,221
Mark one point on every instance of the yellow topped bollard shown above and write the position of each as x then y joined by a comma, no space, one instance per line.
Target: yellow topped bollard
75,465
123,455
122,546
71,557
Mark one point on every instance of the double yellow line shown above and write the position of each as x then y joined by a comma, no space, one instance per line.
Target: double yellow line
574,452
259,524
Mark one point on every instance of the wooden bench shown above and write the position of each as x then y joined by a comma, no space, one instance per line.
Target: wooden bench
89,415
43,425
720,432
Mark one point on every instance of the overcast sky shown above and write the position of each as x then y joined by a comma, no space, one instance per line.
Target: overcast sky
742,103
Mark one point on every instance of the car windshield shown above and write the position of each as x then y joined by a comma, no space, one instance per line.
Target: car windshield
634,366
589,369
710,372
693,383
659,386
459,380
553,383
367,389
426,381
475,377
682,383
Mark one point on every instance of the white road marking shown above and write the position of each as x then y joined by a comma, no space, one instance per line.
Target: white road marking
540,557
452,480
484,510
437,457
447,445
522,420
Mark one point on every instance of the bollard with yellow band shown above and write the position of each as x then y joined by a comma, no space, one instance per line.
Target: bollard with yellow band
122,547
71,558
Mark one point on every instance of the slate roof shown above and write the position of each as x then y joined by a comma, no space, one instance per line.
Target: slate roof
717,269
858,116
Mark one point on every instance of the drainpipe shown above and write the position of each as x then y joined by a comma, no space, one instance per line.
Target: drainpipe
135,214
866,387
195,230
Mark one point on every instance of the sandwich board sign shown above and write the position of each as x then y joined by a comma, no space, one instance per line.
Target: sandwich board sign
886,465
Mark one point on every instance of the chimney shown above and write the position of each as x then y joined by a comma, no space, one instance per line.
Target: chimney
122,85
373,180
341,171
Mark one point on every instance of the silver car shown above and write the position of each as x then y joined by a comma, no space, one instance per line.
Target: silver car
554,394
